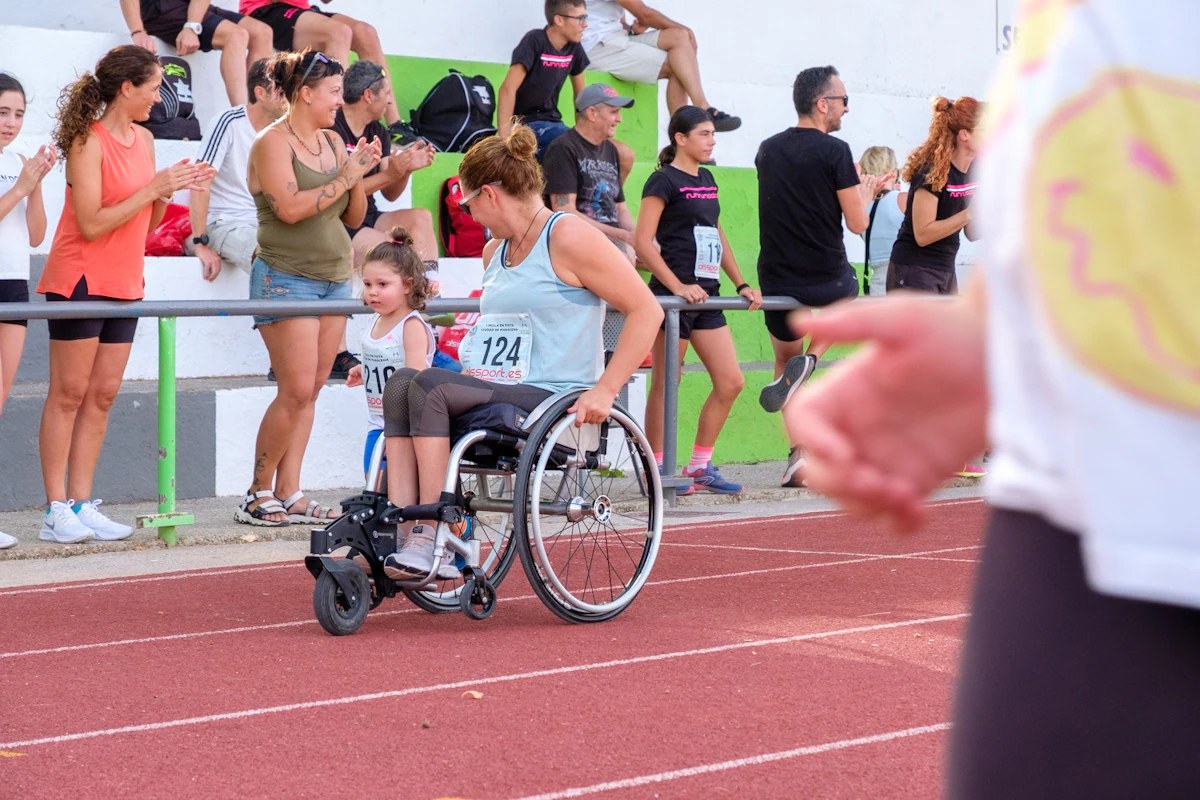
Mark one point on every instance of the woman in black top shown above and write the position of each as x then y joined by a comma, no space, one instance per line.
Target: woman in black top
938,202
680,208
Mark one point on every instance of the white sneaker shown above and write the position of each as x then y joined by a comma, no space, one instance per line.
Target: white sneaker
415,556
61,525
105,529
7,541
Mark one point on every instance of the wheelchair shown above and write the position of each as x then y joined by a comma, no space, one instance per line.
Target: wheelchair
581,506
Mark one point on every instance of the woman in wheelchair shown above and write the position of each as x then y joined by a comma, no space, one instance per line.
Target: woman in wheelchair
548,277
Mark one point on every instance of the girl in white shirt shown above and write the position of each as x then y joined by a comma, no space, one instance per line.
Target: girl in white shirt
394,284
22,225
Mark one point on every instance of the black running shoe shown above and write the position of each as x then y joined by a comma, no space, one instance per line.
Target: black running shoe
722,122
402,134
342,366
775,394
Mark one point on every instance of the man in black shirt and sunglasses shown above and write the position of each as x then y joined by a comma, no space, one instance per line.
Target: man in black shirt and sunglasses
807,182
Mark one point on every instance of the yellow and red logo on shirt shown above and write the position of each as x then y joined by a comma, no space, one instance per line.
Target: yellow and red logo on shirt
1113,210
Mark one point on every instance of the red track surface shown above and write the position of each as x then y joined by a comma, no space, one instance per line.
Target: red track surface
755,664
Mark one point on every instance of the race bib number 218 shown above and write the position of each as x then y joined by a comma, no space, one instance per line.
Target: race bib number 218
498,348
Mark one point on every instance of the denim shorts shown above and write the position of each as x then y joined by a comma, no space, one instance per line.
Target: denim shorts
268,283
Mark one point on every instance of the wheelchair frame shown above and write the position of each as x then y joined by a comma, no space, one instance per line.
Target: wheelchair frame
345,593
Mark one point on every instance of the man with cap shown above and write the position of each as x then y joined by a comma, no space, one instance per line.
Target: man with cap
583,167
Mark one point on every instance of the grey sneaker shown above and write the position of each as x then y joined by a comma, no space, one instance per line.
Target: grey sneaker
7,541
775,394
791,475
415,556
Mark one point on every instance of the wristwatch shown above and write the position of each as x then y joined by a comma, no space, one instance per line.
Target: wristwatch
194,27
201,239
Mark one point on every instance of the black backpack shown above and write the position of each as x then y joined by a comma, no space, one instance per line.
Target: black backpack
175,116
456,113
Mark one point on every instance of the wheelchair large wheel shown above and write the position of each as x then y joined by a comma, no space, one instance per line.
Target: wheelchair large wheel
492,529
592,520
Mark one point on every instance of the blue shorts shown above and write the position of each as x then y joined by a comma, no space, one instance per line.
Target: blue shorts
546,132
372,437
268,283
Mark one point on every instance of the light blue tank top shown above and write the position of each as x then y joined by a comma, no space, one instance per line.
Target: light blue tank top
884,229
567,322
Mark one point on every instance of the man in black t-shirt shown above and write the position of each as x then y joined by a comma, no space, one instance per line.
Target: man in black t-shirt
364,94
807,182
583,169
541,64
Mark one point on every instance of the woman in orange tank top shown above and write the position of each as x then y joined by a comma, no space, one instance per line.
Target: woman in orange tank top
114,198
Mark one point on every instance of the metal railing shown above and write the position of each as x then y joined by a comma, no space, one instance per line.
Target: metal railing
168,311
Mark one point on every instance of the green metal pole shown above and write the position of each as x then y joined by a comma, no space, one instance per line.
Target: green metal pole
167,517
166,424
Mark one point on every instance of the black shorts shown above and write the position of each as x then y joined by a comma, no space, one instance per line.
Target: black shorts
693,320
118,330
932,280
816,295
165,19
282,20
368,222
1066,692
14,291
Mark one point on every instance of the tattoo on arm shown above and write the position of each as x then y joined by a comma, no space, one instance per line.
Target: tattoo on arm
272,202
329,194
292,187
558,201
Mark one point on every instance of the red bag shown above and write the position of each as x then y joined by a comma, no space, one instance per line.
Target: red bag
168,238
461,235
452,337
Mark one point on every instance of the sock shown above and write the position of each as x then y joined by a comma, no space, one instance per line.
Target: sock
77,507
701,456
658,459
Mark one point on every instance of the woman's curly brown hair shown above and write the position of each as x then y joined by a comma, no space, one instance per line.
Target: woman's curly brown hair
83,102
933,157
398,253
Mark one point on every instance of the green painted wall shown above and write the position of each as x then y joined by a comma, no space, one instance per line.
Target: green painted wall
759,436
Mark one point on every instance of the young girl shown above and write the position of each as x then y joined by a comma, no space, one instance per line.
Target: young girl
394,284
22,225
680,208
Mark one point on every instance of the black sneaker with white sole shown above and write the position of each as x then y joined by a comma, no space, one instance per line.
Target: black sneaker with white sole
342,365
775,394
724,123
792,479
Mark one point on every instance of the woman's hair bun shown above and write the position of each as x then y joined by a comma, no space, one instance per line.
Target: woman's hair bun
522,143
942,104
401,236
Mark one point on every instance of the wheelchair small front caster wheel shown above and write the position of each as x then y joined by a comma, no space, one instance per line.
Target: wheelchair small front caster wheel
477,599
339,612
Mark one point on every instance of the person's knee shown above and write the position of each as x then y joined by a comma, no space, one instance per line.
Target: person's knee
102,394
258,34
67,396
340,37
730,387
364,38
237,40
395,393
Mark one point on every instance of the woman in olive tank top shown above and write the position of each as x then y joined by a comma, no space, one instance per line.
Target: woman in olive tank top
306,190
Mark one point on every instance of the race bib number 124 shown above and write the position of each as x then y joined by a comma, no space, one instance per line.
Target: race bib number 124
498,348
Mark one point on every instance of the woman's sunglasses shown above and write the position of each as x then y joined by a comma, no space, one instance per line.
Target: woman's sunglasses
463,203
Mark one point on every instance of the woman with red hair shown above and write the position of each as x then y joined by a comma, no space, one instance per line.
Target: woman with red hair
938,202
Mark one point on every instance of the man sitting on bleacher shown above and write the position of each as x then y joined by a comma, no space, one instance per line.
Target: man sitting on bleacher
363,90
583,170
656,47
193,25
224,220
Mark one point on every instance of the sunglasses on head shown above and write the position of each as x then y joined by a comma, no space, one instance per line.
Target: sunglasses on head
463,203
318,56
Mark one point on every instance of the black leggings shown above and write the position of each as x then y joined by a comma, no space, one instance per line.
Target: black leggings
1066,692
422,403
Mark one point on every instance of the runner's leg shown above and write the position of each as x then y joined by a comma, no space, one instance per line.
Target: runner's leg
719,357
12,343
71,364
91,422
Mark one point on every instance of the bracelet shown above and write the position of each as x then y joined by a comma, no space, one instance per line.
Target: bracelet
743,286
135,33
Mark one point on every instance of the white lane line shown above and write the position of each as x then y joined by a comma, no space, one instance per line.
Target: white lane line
478,682
819,552
299,623
766,758
170,576
679,528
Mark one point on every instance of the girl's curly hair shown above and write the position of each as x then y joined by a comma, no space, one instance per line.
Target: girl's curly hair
933,157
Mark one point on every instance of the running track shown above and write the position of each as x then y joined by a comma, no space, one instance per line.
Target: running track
807,656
